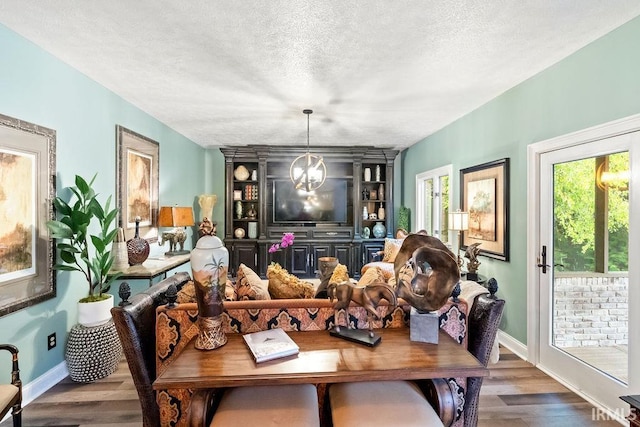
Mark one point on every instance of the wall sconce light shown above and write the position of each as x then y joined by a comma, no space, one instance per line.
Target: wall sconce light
180,218
308,171
458,221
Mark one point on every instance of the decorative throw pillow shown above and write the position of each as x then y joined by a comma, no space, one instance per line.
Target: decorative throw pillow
340,274
249,286
391,249
285,285
372,275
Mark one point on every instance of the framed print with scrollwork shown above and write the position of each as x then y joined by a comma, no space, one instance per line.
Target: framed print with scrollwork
137,183
27,189
484,193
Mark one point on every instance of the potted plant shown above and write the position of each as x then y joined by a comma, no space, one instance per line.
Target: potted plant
87,253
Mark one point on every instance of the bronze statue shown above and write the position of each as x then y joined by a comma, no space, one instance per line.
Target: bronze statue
426,272
472,255
368,296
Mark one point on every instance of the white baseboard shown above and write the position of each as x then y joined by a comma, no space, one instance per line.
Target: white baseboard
44,382
513,344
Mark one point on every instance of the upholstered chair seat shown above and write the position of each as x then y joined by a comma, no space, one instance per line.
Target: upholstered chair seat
380,403
268,406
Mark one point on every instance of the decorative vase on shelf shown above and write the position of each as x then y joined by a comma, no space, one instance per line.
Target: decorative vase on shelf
367,174
378,173
253,230
381,212
366,233
254,175
137,248
365,213
241,173
209,265
238,209
379,230
251,213
381,192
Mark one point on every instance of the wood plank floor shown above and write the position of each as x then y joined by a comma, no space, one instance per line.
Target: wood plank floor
516,394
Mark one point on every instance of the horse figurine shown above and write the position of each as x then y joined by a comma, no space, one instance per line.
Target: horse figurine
368,296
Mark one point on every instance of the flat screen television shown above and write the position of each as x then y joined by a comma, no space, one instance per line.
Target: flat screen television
327,204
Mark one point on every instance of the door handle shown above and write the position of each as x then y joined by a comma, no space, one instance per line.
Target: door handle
543,264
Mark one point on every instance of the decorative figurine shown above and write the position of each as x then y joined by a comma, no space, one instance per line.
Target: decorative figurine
369,297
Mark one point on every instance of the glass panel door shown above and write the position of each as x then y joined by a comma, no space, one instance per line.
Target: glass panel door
584,267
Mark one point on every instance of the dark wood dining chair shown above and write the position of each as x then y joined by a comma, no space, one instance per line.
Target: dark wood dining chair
135,322
356,400
11,393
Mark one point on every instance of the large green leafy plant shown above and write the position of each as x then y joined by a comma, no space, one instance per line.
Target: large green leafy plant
79,250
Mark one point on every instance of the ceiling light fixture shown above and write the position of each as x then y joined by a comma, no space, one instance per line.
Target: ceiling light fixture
308,171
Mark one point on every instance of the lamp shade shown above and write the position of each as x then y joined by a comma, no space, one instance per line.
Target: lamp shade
175,216
458,221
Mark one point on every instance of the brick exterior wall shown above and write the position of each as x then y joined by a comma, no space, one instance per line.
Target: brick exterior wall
590,311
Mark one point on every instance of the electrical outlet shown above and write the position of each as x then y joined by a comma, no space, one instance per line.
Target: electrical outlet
51,341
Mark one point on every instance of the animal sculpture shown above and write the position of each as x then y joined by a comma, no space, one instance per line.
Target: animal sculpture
471,254
368,296
175,238
426,272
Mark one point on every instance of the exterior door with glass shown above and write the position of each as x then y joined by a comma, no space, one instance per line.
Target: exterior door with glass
584,269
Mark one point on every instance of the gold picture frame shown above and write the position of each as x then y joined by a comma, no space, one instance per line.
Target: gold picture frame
484,193
138,180
27,189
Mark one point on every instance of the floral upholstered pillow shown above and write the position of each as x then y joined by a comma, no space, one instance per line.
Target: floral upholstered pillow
282,284
249,286
391,249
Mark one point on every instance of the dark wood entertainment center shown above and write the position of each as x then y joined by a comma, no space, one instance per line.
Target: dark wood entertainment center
250,226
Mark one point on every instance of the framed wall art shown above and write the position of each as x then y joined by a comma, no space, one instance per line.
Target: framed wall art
27,188
484,193
137,164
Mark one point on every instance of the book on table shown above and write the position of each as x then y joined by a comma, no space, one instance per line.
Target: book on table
270,344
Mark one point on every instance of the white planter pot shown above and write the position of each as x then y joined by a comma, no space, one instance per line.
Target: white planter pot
95,313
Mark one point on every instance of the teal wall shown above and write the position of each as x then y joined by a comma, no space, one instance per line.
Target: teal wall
597,84
38,88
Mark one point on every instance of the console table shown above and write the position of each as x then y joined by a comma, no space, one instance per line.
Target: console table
153,267
322,359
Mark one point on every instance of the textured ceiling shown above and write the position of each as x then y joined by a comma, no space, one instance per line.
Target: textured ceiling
383,73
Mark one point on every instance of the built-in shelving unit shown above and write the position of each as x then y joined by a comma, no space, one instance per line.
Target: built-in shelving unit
256,200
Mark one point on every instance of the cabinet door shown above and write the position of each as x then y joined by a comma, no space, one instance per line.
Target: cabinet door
246,254
300,261
371,249
343,253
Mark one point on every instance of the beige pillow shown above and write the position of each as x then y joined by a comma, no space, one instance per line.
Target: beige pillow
340,274
391,249
249,286
372,275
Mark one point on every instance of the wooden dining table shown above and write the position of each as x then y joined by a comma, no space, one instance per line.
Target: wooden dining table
322,359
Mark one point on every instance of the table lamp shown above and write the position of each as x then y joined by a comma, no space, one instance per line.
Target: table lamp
177,217
458,221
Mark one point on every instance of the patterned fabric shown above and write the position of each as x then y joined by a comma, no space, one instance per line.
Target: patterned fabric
176,327
249,286
391,249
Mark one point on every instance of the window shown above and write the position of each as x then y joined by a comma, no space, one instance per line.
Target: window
433,200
